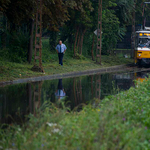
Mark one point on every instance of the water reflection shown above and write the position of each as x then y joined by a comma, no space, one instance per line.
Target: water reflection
77,91
20,100
60,92
37,88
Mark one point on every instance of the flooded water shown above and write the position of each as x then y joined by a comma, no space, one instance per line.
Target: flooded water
17,101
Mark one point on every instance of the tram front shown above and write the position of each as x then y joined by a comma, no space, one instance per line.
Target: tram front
142,48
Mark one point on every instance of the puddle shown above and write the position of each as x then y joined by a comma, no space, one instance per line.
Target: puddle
19,100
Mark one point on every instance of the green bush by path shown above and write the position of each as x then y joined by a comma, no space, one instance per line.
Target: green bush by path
118,122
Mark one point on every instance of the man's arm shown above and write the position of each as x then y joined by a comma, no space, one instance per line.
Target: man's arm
65,49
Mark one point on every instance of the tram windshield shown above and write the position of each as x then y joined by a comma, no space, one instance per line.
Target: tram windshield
144,43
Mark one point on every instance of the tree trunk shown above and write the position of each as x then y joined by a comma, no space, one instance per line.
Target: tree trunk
30,48
76,41
78,44
82,37
93,47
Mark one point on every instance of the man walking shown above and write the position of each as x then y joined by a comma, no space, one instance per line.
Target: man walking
61,49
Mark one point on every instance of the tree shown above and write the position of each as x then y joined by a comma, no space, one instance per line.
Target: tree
24,13
4,4
79,22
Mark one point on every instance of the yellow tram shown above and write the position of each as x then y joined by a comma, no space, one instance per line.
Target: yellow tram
142,47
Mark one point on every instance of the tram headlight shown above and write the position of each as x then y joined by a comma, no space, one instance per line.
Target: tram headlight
139,54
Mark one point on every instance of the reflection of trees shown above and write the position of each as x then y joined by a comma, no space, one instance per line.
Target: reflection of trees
98,87
107,85
77,90
14,103
92,86
85,89
29,93
37,88
29,97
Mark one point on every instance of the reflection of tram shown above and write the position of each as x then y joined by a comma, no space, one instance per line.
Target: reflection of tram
141,76
142,47
123,81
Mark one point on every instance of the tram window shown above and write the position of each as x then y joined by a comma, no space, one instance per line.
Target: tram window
144,42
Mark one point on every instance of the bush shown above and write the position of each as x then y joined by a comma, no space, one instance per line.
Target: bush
119,122
18,47
78,56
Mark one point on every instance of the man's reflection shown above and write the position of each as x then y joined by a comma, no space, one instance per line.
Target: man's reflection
60,93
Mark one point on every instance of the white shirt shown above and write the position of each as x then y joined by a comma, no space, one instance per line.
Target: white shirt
63,48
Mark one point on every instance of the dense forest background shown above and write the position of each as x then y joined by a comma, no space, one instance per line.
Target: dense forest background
72,21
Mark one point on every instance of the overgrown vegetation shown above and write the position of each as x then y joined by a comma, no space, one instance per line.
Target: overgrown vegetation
11,70
118,122
75,24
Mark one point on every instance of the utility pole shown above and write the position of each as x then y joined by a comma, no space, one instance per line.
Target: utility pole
99,33
38,39
143,14
133,31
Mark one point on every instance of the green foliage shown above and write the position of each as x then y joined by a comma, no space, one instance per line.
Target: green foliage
19,46
125,11
118,122
4,54
62,19
19,12
17,49
112,30
78,56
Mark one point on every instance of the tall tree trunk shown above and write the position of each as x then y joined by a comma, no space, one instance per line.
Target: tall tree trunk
76,41
78,44
82,37
30,48
4,35
93,47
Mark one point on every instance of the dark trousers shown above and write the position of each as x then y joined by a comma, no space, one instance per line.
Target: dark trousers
60,86
60,56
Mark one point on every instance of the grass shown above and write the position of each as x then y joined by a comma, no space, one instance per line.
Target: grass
12,71
118,122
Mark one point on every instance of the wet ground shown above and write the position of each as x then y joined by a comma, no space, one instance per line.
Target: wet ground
19,100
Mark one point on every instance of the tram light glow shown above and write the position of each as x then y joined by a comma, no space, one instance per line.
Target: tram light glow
144,34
